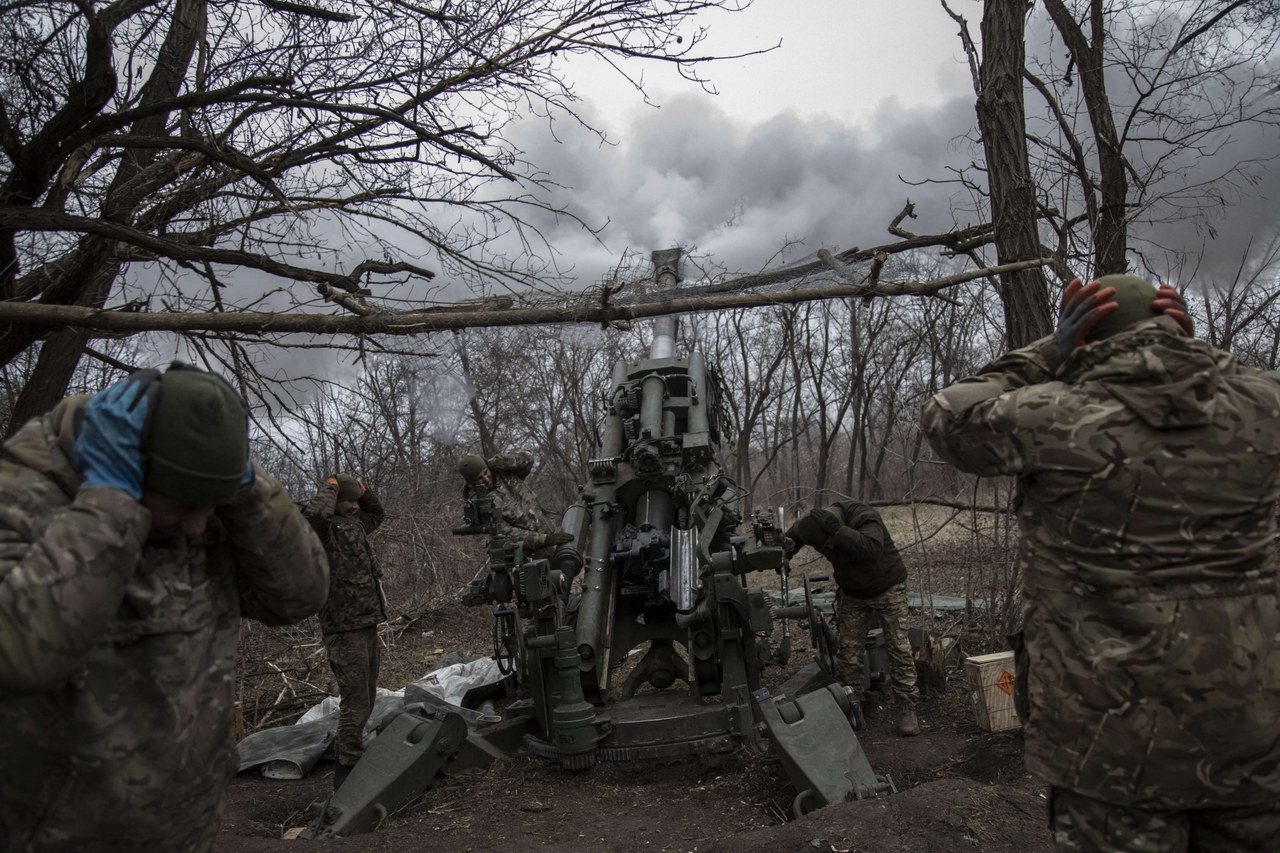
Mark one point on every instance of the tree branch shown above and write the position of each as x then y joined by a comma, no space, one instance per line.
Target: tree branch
451,318
35,219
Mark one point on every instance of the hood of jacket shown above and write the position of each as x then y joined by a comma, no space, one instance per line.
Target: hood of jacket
1169,381
44,444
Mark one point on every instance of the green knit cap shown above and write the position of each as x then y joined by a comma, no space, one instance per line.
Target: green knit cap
471,467
348,487
197,441
808,531
1134,297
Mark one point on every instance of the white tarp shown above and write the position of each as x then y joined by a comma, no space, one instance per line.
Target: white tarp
290,752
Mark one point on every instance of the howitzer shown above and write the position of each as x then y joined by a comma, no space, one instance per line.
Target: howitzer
660,572
480,516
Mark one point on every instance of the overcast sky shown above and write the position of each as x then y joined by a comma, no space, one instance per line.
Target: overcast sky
820,142
839,60
814,142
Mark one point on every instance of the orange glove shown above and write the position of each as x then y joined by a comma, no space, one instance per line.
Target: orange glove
1170,303
1083,305
332,481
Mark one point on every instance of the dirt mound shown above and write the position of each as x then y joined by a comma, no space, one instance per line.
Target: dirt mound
941,817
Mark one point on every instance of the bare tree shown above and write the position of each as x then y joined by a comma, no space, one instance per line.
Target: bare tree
335,150
997,79
1133,123
749,350
1243,315
1165,87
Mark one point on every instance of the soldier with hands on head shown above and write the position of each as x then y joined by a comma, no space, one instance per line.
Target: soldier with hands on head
1148,466
871,579
344,513
135,533
504,476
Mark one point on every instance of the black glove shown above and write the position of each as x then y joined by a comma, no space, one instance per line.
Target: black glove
1082,307
1170,303
559,538
826,519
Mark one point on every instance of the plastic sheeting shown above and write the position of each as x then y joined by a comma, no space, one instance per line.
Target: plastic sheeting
290,752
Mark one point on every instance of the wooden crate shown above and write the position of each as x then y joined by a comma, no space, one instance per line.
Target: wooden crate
991,690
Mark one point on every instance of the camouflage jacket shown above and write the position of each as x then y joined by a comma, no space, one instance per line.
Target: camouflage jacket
1148,467
522,515
864,560
117,655
355,580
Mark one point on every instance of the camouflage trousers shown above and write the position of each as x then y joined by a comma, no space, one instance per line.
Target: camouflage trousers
1082,824
853,620
354,658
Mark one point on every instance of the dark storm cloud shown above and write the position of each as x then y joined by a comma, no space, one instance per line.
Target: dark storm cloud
1185,235
737,187
1214,250
688,175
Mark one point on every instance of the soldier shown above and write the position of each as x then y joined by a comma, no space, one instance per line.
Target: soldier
522,516
872,579
344,512
1148,468
134,534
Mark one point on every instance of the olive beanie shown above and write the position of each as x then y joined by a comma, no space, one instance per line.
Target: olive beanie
197,438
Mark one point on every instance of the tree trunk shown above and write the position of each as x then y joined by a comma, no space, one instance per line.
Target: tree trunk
62,350
1110,232
487,447
1002,122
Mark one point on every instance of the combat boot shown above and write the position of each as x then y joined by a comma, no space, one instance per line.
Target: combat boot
908,725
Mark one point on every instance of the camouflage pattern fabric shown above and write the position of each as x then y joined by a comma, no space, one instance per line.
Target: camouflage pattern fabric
354,659
853,621
1081,824
522,515
864,561
1148,469
117,655
355,580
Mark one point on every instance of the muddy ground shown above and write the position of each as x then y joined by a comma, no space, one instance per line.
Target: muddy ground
959,789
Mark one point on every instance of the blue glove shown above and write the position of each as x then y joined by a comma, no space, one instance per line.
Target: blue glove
826,520
1082,308
108,446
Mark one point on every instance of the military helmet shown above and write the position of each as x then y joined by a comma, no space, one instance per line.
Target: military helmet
1134,296
349,488
471,467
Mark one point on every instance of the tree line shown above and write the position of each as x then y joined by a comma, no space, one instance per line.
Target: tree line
151,151
820,401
